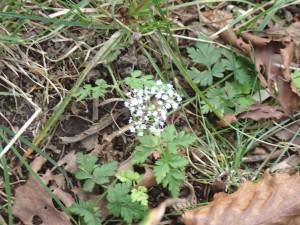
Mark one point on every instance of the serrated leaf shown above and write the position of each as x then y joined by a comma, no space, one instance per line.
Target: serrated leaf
81,175
204,78
120,204
206,54
87,211
99,89
161,170
102,173
142,154
88,185
174,181
169,133
296,79
83,92
139,195
86,165
177,161
128,176
149,141
184,139
218,70
139,81
172,148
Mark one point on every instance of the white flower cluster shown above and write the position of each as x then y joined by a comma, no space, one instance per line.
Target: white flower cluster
149,107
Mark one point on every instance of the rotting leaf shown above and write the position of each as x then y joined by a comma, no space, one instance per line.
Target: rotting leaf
271,201
31,199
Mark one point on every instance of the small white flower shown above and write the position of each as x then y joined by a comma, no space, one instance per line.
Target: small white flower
155,114
159,102
159,82
179,99
175,105
140,133
158,95
139,113
170,92
170,86
146,118
132,129
163,112
165,97
168,106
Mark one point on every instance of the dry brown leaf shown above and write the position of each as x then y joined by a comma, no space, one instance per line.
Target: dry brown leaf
290,162
271,201
31,200
148,179
69,162
261,111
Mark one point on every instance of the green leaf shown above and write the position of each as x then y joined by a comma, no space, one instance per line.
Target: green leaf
149,141
204,78
218,70
139,81
206,54
219,100
120,204
86,165
99,89
169,133
184,139
83,92
88,185
141,155
139,195
296,79
161,170
149,144
173,181
102,173
176,161
89,91
128,176
87,211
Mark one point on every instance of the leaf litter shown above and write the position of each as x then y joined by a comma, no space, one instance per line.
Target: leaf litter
275,80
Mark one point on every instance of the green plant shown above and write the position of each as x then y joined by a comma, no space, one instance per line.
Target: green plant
121,204
89,90
92,173
231,96
86,211
169,168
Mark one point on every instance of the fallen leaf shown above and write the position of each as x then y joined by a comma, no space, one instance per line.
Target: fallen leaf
148,179
261,111
271,201
283,166
69,162
32,200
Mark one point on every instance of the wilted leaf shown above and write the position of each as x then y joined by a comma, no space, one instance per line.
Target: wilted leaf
274,200
261,111
31,199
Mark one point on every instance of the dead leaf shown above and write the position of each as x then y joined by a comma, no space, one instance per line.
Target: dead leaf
261,111
32,200
271,201
287,133
148,179
283,166
69,162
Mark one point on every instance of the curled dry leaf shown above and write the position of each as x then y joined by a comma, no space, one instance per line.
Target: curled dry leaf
32,200
274,200
255,112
